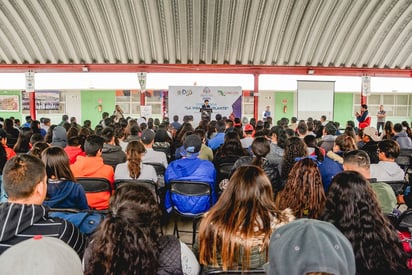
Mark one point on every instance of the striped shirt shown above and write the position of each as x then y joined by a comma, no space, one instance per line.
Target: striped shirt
19,222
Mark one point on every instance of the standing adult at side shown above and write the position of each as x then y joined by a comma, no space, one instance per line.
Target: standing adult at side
381,115
266,113
363,117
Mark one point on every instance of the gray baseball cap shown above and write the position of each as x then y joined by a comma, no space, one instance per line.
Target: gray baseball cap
308,245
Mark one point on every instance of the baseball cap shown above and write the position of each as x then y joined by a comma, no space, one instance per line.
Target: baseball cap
308,245
192,144
372,133
147,136
41,255
249,127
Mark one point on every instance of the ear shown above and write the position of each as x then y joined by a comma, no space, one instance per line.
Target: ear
40,190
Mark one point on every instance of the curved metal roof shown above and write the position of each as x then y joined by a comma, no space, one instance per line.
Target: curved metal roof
356,34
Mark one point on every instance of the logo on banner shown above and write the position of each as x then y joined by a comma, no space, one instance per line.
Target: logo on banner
184,92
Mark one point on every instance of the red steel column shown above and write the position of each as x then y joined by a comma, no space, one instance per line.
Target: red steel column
32,102
256,96
142,98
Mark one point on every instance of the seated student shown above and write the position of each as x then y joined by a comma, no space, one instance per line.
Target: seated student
328,137
313,149
190,168
248,138
112,154
333,162
3,140
234,235
24,216
92,166
358,160
352,207
387,169
205,152
304,192
260,148
230,151
134,168
132,233
59,137
278,139
74,149
41,255
401,137
38,148
370,138
294,148
219,138
152,156
308,246
62,190
3,159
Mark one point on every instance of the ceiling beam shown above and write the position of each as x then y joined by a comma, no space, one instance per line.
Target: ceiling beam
204,68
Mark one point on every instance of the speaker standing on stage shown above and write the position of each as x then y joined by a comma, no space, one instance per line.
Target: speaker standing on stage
206,110
118,112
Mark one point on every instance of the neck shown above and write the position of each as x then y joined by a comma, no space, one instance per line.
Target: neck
29,200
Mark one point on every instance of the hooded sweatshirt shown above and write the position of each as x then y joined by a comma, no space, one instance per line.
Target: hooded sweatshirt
72,152
93,167
330,166
113,155
387,171
65,194
190,168
19,222
59,137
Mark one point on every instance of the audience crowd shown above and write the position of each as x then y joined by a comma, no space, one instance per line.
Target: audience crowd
298,197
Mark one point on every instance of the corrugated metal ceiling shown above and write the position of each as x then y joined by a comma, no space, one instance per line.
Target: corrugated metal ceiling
319,33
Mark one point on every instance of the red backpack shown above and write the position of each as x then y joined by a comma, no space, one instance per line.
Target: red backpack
404,227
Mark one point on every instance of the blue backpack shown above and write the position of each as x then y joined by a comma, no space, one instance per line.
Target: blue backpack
86,221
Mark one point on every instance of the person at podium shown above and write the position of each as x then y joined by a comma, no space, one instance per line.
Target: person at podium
206,110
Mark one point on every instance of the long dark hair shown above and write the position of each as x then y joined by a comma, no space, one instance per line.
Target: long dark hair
304,192
231,146
134,151
246,208
294,148
353,208
260,148
126,242
57,163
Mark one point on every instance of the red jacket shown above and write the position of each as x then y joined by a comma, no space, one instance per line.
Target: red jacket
72,152
93,167
9,152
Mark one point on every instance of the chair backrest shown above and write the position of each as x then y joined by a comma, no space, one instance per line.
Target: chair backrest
398,186
94,185
190,188
163,147
195,190
225,169
160,169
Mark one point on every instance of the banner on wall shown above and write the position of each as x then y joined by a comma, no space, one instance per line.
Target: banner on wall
187,100
9,103
45,100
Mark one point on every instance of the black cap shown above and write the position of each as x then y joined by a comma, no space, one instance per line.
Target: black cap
192,144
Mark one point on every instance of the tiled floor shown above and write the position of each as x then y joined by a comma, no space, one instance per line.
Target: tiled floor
185,229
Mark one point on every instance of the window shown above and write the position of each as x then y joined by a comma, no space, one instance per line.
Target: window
397,106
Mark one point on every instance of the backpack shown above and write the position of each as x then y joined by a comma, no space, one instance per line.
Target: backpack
86,221
404,226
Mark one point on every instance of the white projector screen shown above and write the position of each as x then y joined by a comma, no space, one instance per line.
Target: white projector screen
315,98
